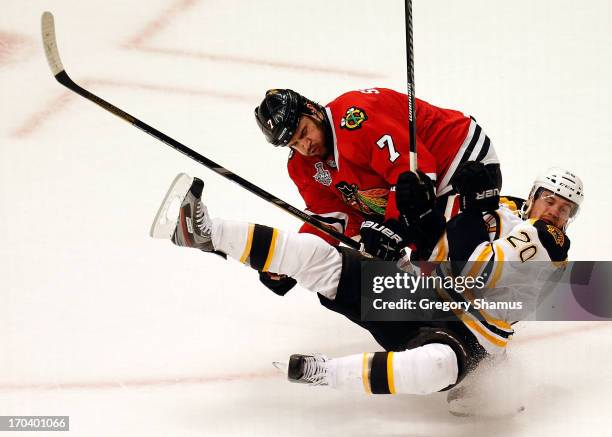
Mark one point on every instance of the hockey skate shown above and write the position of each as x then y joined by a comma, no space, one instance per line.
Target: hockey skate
193,226
308,369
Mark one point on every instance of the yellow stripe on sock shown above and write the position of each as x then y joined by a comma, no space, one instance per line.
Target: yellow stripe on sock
365,373
271,250
249,243
390,373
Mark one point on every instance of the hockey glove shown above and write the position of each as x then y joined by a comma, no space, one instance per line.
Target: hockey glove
465,232
423,224
382,240
554,240
476,186
423,234
280,286
414,195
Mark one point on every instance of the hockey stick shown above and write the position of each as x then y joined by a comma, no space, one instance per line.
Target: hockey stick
55,63
410,78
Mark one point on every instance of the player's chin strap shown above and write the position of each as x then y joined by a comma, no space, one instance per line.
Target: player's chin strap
327,128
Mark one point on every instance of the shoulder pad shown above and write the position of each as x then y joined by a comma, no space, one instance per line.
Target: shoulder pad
553,239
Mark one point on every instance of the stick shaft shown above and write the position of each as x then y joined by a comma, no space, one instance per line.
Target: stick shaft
410,79
50,44
65,80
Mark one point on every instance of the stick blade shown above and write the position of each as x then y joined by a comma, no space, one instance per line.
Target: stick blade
50,43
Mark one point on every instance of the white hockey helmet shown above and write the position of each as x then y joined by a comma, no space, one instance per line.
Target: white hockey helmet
560,182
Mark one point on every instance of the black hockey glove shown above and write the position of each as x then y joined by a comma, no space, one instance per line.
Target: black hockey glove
476,186
414,194
382,240
554,240
423,234
465,232
279,286
423,224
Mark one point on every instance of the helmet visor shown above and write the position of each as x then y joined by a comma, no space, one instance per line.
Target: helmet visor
566,209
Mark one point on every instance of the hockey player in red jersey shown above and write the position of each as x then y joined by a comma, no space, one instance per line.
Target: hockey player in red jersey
351,153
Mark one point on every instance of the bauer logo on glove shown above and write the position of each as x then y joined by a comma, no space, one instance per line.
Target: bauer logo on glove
382,229
382,240
487,194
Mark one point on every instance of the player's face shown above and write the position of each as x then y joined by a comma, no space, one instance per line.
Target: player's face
552,209
309,138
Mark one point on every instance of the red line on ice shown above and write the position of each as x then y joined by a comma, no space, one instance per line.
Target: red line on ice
258,62
163,20
212,379
54,107
141,42
14,47
141,383
546,335
179,90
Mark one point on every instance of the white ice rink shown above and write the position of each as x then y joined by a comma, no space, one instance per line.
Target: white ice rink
131,336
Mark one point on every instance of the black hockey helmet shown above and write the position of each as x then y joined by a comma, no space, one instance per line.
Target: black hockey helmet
279,114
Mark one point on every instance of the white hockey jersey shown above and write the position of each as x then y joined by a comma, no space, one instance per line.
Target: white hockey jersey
515,264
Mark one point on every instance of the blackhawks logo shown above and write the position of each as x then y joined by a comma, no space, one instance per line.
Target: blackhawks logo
372,201
557,234
353,119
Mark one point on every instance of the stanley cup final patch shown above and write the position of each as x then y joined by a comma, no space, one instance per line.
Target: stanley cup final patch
322,175
353,119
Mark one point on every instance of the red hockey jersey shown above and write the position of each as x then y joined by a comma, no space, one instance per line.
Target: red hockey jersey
370,151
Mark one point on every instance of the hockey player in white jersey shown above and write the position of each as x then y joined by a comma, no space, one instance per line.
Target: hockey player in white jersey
508,243
419,358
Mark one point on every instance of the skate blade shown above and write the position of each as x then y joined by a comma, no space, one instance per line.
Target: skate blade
165,220
488,415
281,366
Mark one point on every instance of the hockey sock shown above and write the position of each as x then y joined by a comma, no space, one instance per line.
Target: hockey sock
310,260
251,244
423,370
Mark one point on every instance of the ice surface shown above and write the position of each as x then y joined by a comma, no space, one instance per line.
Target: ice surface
132,336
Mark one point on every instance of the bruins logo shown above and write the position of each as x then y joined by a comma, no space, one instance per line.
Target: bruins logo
353,119
557,235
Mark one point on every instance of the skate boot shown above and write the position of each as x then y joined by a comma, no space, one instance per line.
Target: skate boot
308,369
193,226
